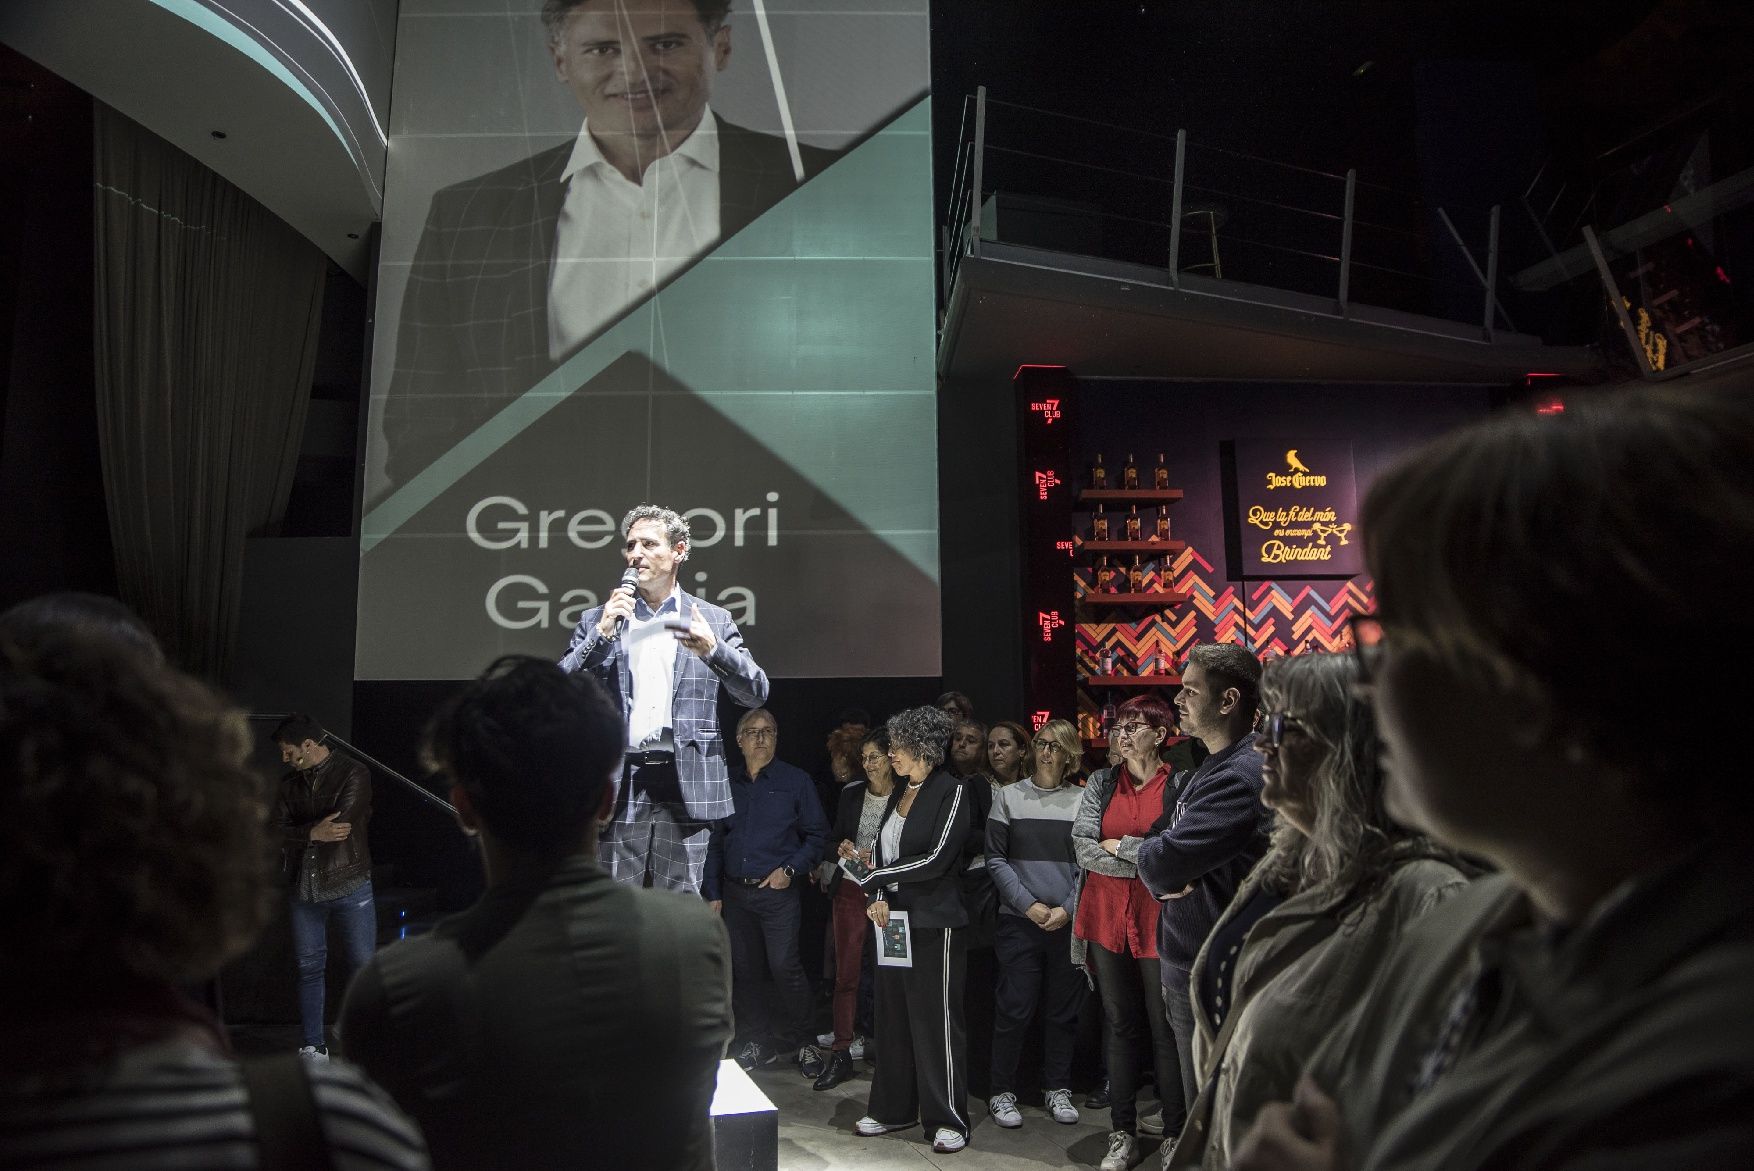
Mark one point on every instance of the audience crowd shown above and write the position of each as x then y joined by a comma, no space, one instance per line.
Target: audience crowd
1452,897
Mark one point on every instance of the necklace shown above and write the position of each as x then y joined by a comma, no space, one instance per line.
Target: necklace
915,784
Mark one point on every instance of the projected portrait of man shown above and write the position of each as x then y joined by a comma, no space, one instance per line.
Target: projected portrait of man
518,268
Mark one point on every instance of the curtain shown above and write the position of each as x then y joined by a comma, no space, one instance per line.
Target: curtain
206,313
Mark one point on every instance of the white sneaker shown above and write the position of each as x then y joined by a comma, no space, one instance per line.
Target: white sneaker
857,1049
312,1053
871,1128
825,1039
1166,1153
1123,1152
1152,1123
947,1140
1003,1108
1059,1104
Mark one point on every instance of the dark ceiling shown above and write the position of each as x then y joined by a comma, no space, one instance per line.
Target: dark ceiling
1332,83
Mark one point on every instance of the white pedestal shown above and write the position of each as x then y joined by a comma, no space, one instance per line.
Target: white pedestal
746,1126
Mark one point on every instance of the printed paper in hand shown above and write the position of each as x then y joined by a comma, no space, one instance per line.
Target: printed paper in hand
895,944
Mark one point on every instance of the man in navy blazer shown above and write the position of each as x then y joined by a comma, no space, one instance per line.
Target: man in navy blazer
517,269
664,654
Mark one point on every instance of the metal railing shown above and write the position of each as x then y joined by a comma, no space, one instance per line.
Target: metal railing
336,743
1217,213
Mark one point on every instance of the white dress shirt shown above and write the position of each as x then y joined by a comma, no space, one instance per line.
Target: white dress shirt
616,240
651,663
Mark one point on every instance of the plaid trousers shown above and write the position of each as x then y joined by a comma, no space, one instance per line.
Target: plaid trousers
652,841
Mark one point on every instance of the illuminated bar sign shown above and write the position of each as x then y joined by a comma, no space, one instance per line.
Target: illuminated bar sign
1296,511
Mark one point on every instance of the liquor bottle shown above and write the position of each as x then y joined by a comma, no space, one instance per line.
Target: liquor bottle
1136,577
1099,525
1098,473
1129,474
1133,524
1105,575
1160,477
1108,717
1163,522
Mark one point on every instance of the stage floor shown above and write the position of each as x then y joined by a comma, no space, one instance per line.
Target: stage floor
816,1133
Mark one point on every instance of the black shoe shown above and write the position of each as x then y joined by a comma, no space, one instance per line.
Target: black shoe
755,1055
811,1063
838,1070
1100,1098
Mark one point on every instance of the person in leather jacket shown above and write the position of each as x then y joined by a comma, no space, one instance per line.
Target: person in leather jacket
322,812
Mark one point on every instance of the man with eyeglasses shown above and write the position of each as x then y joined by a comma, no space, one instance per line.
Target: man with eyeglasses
776,832
1217,831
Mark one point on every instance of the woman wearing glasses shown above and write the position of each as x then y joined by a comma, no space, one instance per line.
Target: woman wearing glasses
1588,1004
922,1070
1305,936
1029,855
1115,927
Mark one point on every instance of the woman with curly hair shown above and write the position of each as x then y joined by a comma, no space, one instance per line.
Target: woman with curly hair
136,860
922,1072
1305,935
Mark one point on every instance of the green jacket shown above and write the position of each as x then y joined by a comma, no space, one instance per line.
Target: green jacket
1300,967
1624,1043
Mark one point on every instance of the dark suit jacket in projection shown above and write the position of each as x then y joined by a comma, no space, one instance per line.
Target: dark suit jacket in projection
473,334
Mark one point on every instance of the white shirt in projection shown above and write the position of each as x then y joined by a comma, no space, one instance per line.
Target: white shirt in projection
651,662
617,240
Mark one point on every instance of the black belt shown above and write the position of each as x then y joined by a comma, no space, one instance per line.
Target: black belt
643,756
745,881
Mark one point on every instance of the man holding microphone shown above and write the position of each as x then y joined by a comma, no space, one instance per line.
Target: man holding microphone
674,784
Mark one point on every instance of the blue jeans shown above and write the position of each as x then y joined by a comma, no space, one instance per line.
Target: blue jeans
356,918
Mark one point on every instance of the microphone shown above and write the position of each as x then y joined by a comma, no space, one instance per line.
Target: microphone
629,582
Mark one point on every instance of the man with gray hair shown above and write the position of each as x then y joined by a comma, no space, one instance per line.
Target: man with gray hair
777,833
673,784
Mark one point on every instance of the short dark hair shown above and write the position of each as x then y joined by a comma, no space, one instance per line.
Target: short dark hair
964,706
533,747
878,737
1231,666
712,14
296,729
134,842
96,615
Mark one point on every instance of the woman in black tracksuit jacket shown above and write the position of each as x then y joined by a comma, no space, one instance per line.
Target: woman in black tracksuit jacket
921,1071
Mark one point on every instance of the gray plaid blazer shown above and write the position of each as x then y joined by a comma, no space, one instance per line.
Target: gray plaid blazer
473,333
694,713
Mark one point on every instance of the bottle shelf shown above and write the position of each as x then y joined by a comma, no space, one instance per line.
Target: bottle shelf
1129,495
1134,546
1103,743
1157,598
1132,680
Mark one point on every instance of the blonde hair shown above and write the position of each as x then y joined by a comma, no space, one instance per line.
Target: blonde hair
1065,734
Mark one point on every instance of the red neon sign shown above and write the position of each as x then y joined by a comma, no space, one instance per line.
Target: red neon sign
1049,408
1037,719
1065,545
1049,621
1044,481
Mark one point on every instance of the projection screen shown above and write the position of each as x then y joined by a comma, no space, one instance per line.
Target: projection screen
742,332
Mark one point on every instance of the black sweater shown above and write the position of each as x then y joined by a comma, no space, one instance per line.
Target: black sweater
927,873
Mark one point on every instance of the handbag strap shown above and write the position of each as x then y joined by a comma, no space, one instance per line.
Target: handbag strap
289,1136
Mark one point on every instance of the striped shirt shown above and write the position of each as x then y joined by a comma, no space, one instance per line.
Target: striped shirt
178,1106
1029,846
